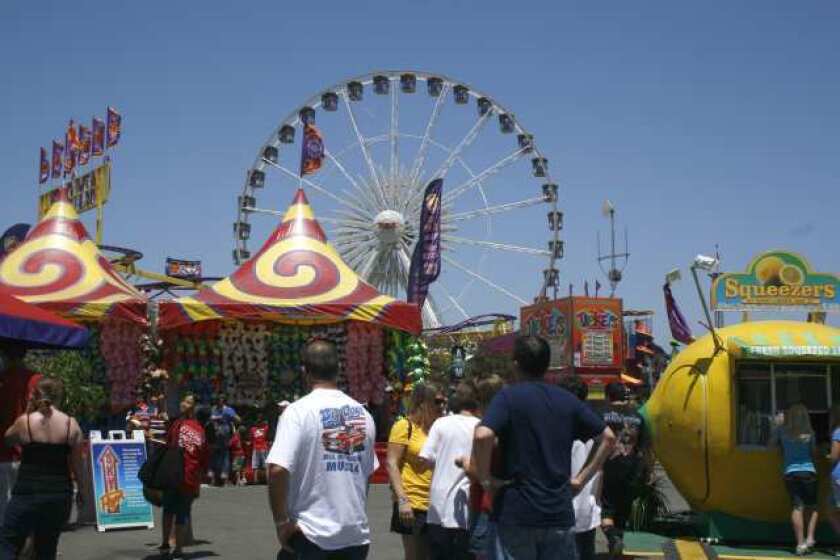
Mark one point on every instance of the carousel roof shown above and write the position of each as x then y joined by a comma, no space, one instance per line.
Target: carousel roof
296,277
59,268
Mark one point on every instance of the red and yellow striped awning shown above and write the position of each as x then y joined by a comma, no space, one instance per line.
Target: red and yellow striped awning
59,268
297,277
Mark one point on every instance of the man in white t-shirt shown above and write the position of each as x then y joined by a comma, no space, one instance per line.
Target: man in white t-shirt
319,465
450,438
587,508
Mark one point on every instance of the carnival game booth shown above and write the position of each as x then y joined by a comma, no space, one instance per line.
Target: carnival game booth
58,268
243,336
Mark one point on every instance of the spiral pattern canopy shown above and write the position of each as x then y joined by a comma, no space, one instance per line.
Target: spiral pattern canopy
59,268
296,277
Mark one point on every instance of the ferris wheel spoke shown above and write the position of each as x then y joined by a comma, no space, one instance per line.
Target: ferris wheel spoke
370,202
255,210
494,245
393,134
511,158
420,158
482,279
465,143
367,265
322,190
452,299
374,176
492,210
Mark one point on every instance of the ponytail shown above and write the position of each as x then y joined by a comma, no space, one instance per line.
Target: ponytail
48,392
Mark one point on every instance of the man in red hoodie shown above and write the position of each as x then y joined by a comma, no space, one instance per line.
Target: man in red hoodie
188,434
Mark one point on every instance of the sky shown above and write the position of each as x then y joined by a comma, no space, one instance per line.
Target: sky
713,123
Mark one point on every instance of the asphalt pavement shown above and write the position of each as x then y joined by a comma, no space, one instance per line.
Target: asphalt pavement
235,524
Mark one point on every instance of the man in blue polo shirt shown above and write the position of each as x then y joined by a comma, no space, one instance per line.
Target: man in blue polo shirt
536,425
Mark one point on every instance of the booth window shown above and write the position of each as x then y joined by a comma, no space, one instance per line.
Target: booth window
767,389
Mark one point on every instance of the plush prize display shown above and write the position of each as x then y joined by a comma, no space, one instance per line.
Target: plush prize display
255,363
119,346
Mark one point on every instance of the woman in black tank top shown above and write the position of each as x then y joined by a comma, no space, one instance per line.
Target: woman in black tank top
42,496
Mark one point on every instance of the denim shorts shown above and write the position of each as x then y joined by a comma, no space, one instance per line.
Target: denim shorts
802,487
179,505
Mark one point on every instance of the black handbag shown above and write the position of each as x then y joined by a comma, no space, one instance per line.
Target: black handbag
164,469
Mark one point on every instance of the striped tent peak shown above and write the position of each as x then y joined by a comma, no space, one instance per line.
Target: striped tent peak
299,220
59,265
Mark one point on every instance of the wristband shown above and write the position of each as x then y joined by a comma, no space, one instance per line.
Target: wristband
285,521
402,501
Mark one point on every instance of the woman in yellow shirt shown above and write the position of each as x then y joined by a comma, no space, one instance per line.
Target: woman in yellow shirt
410,478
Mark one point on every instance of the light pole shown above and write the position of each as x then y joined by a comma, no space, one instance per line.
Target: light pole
708,264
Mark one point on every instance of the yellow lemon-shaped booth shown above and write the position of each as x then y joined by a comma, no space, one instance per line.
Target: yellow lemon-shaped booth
713,414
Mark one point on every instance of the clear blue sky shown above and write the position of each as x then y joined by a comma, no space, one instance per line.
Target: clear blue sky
706,122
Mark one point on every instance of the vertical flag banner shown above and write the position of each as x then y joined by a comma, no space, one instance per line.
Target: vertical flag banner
57,159
312,150
98,141
71,148
426,259
679,326
43,167
84,145
114,126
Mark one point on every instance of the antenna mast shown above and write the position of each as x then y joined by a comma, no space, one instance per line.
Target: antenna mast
617,261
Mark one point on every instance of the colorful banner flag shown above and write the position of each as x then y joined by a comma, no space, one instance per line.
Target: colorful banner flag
69,159
84,144
43,167
98,141
312,150
57,159
72,137
679,326
426,260
114,126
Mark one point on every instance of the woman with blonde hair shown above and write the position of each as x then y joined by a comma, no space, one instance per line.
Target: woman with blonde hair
410,478
796,440
42,496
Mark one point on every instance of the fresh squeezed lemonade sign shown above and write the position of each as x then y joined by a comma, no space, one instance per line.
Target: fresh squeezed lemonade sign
777,280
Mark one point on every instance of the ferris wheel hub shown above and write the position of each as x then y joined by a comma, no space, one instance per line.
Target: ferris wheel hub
390,226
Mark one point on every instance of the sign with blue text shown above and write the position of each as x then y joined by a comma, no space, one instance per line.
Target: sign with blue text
117,491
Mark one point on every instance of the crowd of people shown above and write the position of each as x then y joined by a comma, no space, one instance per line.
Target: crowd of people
526,470
489,471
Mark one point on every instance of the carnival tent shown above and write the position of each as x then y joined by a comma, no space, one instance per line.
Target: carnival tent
59,268
31,326
297,278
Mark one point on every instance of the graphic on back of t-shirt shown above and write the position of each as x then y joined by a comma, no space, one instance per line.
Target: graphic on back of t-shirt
344,429
627,426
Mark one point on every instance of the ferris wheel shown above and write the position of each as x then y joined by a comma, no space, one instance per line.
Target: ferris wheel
386,135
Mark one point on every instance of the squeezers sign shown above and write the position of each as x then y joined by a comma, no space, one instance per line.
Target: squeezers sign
777,280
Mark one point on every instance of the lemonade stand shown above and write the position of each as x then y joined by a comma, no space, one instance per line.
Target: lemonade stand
714,410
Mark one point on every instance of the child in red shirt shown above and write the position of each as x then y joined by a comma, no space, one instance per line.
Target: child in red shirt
237,457
259,443
188,434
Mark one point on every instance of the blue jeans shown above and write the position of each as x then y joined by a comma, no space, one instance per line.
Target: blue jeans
41,516
534,543
482,536
307,550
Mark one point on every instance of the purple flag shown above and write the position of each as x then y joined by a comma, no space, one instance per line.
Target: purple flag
679,326
425,262
44,167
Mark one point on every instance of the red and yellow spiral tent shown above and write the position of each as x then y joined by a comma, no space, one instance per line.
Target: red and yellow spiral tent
296,277
59,268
